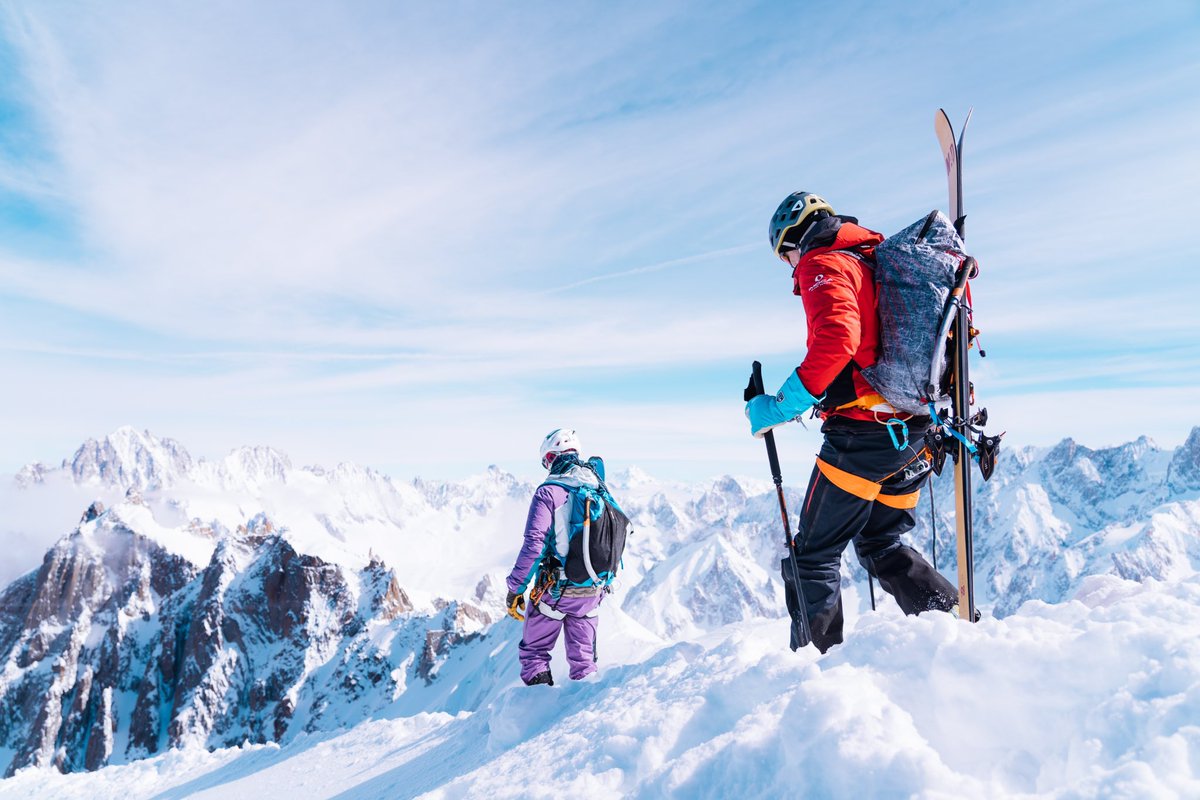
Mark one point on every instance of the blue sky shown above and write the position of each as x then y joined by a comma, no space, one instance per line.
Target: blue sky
419,236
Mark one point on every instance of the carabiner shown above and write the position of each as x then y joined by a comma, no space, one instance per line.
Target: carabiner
897,442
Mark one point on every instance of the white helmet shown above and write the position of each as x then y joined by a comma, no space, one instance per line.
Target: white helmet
559,440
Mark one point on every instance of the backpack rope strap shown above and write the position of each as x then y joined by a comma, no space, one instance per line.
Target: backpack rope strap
587,540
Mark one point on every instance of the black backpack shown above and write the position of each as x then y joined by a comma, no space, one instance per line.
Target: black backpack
595,525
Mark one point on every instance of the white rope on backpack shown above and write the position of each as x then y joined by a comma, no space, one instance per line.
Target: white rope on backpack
587,541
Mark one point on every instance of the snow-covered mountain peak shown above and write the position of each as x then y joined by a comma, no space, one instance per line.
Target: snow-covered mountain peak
1094,484
133,517
631,478
476,493
722,501
499,478
1183,474
130,458
253,466
347,473
32,474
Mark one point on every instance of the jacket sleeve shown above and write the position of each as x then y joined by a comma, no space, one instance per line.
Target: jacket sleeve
829,288
537,525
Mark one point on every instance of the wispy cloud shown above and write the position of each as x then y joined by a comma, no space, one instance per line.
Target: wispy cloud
642,270
347,210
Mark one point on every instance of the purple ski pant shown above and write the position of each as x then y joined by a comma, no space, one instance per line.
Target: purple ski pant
541,632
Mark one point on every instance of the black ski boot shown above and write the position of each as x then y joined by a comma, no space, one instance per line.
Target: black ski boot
542,677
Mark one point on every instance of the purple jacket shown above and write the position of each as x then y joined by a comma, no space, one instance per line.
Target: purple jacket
546,500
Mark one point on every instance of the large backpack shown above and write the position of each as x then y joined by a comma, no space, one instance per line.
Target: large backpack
915,271
589,531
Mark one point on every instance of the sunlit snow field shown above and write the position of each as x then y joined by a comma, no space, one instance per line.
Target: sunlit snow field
1098,696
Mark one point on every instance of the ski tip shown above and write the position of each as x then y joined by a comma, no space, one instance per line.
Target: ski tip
963,131
942,125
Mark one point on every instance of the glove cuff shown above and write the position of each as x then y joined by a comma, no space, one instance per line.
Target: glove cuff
793,398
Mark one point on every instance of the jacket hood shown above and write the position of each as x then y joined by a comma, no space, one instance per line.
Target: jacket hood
840,233
568,470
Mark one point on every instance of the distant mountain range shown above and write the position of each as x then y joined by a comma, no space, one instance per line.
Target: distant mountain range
210,603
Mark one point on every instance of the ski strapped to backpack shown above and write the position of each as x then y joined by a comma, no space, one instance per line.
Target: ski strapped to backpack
586,541
923,294
952,428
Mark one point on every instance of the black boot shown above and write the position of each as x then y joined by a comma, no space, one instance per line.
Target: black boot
542,677
917,586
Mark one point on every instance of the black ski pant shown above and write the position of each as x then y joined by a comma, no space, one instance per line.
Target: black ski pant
863,490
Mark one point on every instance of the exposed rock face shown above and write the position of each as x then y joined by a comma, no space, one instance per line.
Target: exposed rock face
68,634
460,622
91,512
388,599
235,650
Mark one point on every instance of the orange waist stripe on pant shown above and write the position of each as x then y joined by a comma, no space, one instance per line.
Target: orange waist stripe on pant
864,489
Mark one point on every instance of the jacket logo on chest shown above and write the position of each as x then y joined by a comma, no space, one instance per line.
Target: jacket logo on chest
819,281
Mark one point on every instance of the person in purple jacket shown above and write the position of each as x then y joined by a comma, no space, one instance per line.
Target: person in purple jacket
556,604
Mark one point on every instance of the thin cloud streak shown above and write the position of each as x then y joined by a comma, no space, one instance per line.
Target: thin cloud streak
643,270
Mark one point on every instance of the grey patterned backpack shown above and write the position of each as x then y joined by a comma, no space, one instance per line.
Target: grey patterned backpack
915,271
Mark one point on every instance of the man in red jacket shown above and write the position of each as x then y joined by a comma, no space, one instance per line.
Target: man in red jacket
866,482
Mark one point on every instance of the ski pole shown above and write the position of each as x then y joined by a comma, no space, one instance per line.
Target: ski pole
754,390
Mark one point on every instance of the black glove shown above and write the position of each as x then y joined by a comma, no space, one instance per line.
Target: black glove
515,606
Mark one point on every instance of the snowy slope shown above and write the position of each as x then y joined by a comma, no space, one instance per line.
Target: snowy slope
1097,697
381,650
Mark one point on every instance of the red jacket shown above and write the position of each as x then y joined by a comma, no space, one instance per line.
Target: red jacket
838,290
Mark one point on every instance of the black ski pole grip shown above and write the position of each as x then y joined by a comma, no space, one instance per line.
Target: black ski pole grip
754,390
755,387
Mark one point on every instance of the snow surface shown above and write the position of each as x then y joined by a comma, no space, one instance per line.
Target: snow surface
1083,681
1096,697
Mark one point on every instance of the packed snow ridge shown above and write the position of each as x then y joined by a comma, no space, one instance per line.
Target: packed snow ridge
245,625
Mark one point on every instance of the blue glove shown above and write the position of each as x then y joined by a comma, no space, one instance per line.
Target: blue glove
767,411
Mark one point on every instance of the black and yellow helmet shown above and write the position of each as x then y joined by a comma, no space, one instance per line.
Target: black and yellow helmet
793,217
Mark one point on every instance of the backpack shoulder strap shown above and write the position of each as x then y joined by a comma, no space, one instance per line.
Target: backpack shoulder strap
863,252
